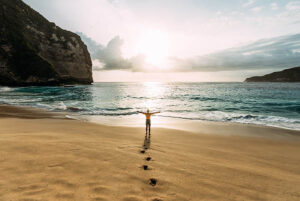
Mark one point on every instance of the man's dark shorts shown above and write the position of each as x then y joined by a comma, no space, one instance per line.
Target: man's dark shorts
148,122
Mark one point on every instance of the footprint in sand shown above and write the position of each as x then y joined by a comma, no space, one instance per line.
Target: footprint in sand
152,182
146,146
146,167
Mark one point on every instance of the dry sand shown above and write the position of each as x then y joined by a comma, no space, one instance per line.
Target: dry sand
46,158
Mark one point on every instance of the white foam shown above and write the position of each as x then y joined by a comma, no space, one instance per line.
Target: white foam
62,106
6,89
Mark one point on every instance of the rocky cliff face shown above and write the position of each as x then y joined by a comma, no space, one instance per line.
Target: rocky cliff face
288,75
34,51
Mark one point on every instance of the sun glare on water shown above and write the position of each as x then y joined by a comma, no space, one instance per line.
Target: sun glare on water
154,45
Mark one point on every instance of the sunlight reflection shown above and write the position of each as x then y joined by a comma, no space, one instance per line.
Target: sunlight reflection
153,91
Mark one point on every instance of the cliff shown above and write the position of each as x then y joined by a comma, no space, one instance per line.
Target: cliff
288,75
34,51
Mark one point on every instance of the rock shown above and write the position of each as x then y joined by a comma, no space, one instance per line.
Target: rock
287,75
34,51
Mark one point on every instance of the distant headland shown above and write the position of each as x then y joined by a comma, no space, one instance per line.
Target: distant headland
287,75
34,51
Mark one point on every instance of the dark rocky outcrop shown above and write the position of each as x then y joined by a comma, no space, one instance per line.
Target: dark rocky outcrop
34,51
287,75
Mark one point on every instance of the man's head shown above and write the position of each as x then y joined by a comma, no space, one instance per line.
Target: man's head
147,110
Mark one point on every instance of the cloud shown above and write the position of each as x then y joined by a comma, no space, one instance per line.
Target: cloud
110,57
279,52
92,45
97,65
293,5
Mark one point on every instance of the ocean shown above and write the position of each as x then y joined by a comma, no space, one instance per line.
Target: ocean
271,104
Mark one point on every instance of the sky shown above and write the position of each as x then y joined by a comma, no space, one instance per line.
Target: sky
182,40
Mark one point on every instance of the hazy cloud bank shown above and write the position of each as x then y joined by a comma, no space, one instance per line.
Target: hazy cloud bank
279,52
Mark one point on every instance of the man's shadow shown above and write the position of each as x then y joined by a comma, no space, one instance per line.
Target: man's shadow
147,141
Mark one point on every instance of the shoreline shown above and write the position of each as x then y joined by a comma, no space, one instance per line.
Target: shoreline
193,126
129,120
196,126
44,157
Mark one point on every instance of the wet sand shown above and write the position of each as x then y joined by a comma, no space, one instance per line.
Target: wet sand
44,156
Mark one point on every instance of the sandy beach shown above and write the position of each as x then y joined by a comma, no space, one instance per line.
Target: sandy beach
44,156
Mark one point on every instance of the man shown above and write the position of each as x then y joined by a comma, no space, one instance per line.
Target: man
148,119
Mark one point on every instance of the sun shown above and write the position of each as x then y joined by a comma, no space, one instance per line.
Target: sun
154,45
